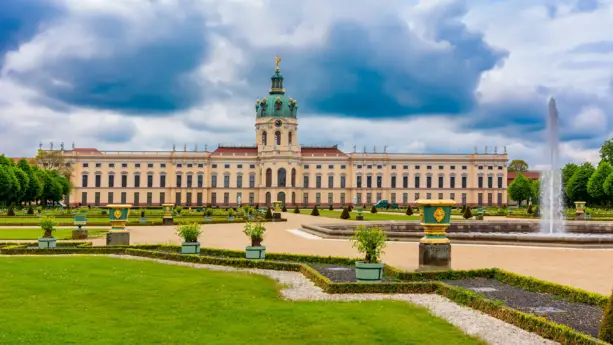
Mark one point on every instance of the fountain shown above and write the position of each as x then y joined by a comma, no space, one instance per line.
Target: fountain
551,203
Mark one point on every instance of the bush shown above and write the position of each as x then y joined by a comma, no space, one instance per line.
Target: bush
268,213
373,209
606,325
315,211
255,231
345,214
331,208
48,225
208,212
189,231
369,241
178,209
296,210
467,213
349,208
142,214
284,209
537,212
11,210
530,210
409,211
231,213
30,210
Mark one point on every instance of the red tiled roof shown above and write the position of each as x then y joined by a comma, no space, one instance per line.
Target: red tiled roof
239,150
29,160
533,175
321,151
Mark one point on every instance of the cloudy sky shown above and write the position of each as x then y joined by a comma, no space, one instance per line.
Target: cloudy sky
418,76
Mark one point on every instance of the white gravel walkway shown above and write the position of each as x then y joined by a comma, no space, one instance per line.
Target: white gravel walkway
472,322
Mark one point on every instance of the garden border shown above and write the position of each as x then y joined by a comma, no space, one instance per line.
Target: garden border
417,281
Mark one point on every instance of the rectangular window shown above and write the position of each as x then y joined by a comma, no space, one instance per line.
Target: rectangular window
199,198
330,166
480,199
317,199
393,184
490,200
137,181
179,180
463,198
213,199
239,166
111,165
464,181
124,181
428,167
239,181
393,167
379,181
226,166
416,196
343,181
452,182
226,181
189,180
162,165
162,198
306,166
163,181
305,199
359,198
452,196
405,198
416,181
98,181
368,181
499,181
405,182
200,165
251,198
499,199
190,165
149,198
318,167
83,198
490,182
178,198
200,180
343,167
305,182
440,182
149,165
379,166
318,181
480,182
149,180
214,166
252,166
331,181
330,198
214,181
428,181
440,196
378,196
393,198
359,181
239,198
440,167
109,198
124,197
188,199
252,181
86,165
124,165
111,181
84,181
417,167
136,199
226,198
452,167
368,198
97,199
428,196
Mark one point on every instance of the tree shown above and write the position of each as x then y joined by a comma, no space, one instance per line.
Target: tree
567,172
52,187
24,182
315,211
6,161
535,187
345,214
608,186
53,160
595,185
576,188
517,165
9,184
606,151
35,186
520,189
373,209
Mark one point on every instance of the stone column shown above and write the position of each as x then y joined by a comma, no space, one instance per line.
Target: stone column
434,247
118,215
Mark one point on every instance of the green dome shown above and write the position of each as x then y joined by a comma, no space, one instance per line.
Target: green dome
277,104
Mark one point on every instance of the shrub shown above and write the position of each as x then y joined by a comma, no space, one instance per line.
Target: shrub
345,214
103,212
178,209
467,213
284,209
189,231
409,211
331,208
208,212
268,213
11,210
296,210
315,211
30,210
606,325
369,241
255,231
349,208
373,209
48,225
231,212
142,214
537,212
530,210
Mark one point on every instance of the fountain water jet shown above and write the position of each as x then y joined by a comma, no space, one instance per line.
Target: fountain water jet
551,203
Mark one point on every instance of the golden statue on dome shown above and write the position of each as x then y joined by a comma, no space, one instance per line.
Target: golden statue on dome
277,60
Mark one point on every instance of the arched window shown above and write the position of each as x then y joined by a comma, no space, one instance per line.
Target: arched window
289,138
281,177
269,177
278,137
293,178
264,139
293,198
268,199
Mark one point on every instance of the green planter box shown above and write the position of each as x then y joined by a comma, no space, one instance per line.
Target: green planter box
118,215
80,219
190,248
46,242
255,253
368,272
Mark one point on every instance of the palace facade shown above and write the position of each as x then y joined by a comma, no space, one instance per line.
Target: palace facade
278,168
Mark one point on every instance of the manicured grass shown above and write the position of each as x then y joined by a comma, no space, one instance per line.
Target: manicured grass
367,215
33,234
101,300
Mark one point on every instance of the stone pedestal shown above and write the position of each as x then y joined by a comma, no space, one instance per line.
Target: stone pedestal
167,221
434,256
359,217
79,234
276,215
580,216
118,238
479,218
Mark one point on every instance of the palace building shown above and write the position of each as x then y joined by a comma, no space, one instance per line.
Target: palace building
278,168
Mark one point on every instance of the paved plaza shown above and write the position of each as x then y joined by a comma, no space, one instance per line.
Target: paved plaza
588,269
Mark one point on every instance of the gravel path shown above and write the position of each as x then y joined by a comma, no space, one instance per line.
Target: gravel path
472,322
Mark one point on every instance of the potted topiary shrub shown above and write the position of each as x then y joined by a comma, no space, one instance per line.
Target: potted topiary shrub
331,208
467,213
48,225
373,209
268,213
189,232
284,209
143,218
409,211
255,231
296,210
315,211
345,214
369,241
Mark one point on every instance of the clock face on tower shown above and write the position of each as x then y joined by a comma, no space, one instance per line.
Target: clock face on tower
278,123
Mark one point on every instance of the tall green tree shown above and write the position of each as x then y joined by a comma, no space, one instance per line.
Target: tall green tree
576,188
24,182
6,161
52,186
517,165
535,187
520,189
595,185
35,185
9,184
608,186
567,172
606,151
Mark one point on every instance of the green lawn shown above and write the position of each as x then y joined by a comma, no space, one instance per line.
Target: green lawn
101,300
32,234
367,215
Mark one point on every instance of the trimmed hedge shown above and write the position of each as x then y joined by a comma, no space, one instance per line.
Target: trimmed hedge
605,332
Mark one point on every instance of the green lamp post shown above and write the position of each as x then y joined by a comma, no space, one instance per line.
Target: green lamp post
434,247
80,219
118,215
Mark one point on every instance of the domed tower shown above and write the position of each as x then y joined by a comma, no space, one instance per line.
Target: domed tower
276,123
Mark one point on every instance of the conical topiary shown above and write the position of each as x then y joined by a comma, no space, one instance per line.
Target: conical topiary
296,210
349,208
331,208
373,209
409,211
284,209
606,325
30,210
467,213
268,213
11,210
345,214
530,210
315,211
